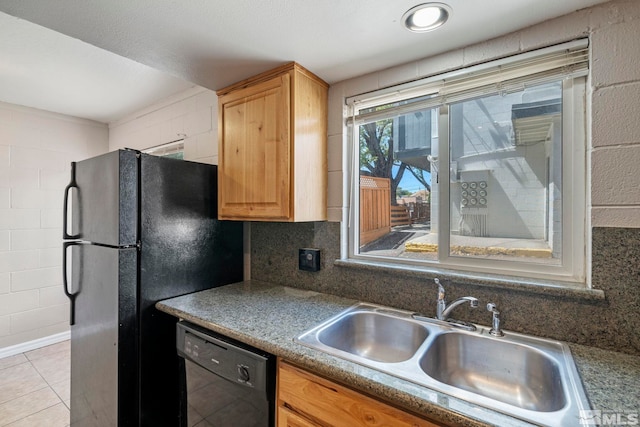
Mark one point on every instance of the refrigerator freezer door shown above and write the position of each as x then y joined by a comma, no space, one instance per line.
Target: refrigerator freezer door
105,199
184,248
104,369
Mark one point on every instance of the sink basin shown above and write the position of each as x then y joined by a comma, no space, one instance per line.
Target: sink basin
529,378
374,336
507,372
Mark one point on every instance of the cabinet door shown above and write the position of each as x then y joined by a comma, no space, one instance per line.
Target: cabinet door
254,155
286,418
327,403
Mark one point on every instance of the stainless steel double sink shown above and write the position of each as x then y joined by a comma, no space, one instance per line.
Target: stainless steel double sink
529,378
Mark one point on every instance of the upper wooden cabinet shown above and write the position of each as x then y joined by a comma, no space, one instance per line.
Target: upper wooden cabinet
272,136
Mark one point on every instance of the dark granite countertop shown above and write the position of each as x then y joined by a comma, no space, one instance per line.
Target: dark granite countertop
269,317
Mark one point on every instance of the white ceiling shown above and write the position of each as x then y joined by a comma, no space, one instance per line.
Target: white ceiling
44,69
213,43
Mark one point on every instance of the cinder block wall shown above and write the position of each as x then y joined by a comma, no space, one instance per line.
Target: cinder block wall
613,29
613,240
36,148
191,115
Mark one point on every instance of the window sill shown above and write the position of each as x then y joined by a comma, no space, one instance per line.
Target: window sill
518,284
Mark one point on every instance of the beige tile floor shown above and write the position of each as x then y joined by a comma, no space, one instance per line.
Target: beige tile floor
34,387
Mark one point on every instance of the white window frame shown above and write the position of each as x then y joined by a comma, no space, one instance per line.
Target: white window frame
162,150
574,178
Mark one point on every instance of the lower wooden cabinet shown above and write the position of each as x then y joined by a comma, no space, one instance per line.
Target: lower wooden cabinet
307,400
287,418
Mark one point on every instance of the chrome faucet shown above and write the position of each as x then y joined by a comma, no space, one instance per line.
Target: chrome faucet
495,324
442,310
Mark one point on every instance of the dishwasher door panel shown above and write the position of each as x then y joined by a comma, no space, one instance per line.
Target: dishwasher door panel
217,402
224,383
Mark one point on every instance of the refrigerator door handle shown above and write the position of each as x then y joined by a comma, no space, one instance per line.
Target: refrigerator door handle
65,284
67,190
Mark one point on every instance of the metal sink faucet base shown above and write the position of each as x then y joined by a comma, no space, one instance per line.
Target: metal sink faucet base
442,310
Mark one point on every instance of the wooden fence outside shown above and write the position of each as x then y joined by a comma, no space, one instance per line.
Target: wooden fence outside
375,212
400,216
419,212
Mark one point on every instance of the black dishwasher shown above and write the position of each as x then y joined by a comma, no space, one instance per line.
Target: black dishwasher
223,382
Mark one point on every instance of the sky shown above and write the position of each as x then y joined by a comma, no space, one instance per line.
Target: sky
409,182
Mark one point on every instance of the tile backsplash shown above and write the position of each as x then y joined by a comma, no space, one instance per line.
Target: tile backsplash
611,323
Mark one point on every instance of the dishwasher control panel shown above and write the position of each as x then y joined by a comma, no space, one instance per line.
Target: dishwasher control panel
229,359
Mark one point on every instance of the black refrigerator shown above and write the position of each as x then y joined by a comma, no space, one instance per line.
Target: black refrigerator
138,229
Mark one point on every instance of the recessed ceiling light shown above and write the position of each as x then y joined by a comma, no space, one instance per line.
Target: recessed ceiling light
426,17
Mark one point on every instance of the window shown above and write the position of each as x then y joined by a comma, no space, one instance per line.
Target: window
479,170
173,150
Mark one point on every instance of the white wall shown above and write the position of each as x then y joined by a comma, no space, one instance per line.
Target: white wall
191,115
36,148
614,89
